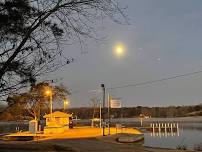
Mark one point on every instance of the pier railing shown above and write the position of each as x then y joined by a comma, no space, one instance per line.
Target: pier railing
164,129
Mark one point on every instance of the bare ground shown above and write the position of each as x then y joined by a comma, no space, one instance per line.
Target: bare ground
22,146
97,145
75,145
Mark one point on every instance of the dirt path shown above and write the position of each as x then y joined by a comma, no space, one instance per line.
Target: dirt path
75,145
95,145
22,146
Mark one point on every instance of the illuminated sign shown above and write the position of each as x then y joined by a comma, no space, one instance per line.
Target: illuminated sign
115,103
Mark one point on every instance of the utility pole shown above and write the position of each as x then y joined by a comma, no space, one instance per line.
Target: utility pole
51,105
103,111
109,105
100,104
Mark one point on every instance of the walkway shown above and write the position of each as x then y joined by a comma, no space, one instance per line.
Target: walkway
95,145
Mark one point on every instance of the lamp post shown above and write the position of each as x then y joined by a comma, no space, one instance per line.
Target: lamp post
103,111
109,106
100,104
49,93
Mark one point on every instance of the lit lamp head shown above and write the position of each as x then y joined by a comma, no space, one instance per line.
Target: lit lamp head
66,102
48,92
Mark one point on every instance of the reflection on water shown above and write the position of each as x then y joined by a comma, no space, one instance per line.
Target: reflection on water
189,135
164,129
164,134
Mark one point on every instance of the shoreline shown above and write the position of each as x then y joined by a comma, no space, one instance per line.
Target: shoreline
87,136
32,146
64,145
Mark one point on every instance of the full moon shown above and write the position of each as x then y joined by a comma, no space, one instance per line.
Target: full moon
119,50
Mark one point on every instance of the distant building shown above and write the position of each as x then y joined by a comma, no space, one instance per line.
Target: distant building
59,122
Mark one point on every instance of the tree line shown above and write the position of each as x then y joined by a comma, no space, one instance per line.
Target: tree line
129,112
34,103
20,112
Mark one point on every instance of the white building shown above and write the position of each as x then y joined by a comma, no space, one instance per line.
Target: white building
58,122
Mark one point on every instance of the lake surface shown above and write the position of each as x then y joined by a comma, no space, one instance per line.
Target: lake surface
190,131
190,135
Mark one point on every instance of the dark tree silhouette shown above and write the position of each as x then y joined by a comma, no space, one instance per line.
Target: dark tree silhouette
32,31
35,101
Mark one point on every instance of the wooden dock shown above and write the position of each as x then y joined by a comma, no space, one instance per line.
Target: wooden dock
162,129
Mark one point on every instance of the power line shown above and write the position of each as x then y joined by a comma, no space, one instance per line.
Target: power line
155,81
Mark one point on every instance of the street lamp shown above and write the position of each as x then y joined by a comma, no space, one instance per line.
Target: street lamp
66,102
49,93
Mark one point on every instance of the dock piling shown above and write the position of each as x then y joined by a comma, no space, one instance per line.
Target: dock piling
164,129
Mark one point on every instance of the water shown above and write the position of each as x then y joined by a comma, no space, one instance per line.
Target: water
190,131
9,127
190,136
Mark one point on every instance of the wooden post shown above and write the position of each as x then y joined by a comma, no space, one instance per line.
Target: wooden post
178,133
165,130
141,121
171,129
156,128
159,130
168,129
162,125
153,130
175,129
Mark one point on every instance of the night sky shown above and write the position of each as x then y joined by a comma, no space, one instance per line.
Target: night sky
164,38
